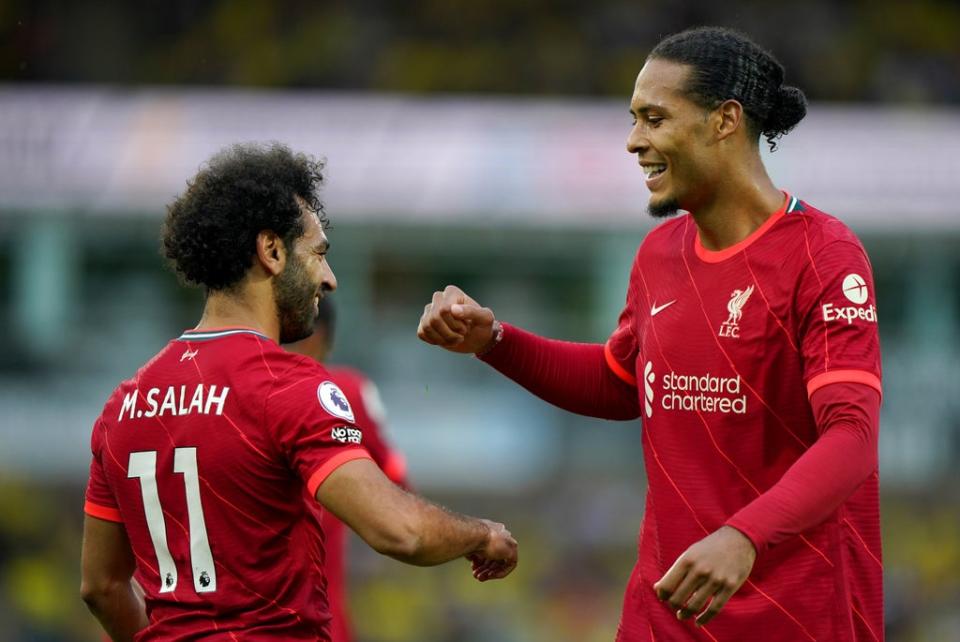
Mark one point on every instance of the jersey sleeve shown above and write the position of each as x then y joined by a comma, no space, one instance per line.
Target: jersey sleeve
315,427
622,347
837,308
100,501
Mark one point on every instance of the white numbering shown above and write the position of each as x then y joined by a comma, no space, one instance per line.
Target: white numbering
144,466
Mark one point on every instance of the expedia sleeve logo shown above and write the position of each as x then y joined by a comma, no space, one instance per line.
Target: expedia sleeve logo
855,290
334,401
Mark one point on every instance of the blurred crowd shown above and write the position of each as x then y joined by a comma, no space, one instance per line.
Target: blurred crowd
862,50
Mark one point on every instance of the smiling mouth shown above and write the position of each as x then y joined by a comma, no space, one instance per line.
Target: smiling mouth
652,171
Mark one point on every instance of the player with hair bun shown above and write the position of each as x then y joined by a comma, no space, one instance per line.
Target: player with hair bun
748,346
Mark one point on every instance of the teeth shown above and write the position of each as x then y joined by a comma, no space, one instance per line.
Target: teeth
653,170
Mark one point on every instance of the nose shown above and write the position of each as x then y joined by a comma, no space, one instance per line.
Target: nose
637,141
329,281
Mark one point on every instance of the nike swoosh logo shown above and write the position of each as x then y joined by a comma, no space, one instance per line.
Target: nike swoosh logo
657,309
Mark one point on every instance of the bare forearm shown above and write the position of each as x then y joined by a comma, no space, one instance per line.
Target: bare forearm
441,535
119,609
572,376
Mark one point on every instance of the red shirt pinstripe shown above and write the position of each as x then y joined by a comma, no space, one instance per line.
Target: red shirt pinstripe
209,457
725,349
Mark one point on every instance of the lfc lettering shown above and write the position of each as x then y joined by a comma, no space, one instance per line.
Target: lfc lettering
174,401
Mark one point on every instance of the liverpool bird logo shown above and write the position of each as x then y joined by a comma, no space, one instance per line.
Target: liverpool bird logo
731,327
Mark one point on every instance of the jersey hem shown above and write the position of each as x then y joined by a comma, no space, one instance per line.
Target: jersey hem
320,475
615,366
102,512
716,256
844,376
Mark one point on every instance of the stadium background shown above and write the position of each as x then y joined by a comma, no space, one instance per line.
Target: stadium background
471,143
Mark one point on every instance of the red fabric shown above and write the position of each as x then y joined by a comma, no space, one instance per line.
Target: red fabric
258,436
722,346
368,412
842,458
572,376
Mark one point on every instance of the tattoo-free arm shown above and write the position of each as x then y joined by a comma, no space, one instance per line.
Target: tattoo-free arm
107,566
406,527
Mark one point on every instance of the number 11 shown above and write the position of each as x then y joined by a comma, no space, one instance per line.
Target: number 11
144,466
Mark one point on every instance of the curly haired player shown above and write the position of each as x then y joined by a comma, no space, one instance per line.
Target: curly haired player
206,462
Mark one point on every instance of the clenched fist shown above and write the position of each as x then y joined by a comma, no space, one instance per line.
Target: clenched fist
454,321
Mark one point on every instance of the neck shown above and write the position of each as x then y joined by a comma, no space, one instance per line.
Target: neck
741,204
241,309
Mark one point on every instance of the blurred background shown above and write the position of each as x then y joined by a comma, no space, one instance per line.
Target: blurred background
480,144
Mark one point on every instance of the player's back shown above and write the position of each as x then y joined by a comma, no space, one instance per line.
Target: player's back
204,456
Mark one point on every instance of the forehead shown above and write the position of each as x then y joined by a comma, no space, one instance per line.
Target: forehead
661,83
313,233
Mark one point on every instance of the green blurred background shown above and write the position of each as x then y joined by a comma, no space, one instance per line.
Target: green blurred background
480,144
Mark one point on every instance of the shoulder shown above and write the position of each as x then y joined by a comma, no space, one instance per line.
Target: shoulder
127,390
663,242
306,383
665,236
822,230
347,377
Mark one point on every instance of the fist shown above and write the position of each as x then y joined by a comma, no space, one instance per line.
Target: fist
454,321
498,556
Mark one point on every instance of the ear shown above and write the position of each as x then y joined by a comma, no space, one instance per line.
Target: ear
730,118
271,252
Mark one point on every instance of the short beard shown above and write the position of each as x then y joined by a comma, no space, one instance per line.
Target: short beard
294,295
664,209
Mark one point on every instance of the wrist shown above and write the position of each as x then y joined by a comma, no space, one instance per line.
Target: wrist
496,337
747,541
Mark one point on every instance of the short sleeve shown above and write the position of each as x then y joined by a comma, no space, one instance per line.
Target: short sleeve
315,427
622,348
100,501
837,308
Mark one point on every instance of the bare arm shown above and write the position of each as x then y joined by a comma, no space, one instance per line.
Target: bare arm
411,529
107,566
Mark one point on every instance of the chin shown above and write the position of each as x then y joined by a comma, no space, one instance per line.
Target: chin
292,330
663,207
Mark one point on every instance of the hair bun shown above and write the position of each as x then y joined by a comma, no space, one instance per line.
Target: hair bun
789,108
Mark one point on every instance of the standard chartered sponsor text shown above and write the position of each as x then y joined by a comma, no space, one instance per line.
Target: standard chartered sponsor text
704,393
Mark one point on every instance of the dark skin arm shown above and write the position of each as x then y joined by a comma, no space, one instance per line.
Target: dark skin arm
107,586
411,529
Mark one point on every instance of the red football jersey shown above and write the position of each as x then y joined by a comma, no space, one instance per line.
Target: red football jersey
368,412
210,457
725,349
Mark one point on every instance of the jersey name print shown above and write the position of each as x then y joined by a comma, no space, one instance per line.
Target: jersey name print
724,378
174,401
212,463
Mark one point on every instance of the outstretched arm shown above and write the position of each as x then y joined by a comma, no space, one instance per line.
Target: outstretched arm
411,529
572,376
107,566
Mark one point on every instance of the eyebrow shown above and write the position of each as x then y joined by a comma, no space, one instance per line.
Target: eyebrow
645,109
322,247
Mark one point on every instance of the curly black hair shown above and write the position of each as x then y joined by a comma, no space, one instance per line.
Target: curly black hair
209,235
728,65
